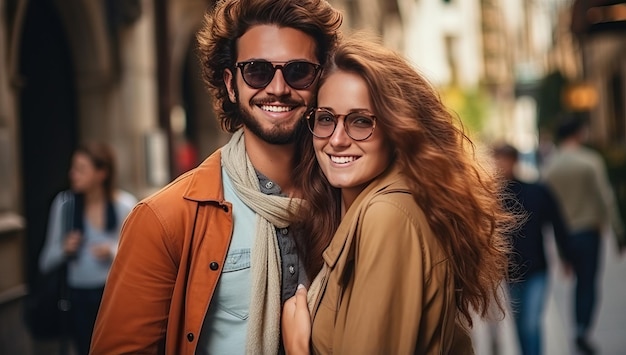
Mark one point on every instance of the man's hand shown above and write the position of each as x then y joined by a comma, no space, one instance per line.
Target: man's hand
296,324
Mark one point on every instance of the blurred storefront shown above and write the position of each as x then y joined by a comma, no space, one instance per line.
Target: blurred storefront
600,92
600,29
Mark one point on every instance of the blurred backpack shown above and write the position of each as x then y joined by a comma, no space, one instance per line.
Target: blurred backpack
47,306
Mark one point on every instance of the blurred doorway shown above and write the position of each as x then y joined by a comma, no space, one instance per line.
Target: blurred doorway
48,119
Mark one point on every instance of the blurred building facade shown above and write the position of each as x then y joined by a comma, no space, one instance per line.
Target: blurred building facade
599,91
496,51
509,67
599,27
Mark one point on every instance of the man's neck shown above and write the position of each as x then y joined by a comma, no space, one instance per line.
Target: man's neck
274,161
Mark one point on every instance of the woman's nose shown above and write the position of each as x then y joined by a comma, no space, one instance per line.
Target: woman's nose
340,137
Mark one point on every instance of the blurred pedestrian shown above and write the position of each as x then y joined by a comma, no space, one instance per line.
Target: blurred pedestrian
205,264
409,222
578,177
529,277
83,230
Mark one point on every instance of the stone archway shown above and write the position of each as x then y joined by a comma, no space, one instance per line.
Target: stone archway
85,24
112,45
69,90
48,121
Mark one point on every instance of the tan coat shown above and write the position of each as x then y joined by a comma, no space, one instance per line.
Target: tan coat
171,253
390,288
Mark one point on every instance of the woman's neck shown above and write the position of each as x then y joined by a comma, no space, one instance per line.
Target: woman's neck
347,198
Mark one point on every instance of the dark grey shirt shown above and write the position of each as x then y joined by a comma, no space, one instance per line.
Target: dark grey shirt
292,267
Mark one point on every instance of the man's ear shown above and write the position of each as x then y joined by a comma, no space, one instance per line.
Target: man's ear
229,81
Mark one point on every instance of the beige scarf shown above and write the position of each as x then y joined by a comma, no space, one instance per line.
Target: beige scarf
272,212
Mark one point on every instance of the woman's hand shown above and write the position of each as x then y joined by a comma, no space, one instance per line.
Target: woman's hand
102,251
296,324
72,243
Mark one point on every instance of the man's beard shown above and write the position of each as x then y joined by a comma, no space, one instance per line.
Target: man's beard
279,135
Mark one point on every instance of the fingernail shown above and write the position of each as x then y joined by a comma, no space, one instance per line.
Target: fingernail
300,286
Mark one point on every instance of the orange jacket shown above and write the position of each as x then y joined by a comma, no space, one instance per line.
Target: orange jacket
172,248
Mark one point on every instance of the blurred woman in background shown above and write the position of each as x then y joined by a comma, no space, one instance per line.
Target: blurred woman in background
83,230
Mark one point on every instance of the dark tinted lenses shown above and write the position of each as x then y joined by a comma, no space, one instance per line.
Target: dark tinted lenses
257,74
297,74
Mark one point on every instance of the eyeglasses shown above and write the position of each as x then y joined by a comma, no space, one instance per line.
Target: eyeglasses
358,125
298,74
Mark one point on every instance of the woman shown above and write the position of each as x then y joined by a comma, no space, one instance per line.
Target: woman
83,229
419,242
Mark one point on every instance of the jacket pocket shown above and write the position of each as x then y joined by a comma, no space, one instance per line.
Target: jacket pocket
233,294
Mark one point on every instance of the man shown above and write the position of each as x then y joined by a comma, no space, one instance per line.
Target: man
529,276
205,264
578,177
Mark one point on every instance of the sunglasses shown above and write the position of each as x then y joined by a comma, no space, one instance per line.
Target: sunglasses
358,125
298,74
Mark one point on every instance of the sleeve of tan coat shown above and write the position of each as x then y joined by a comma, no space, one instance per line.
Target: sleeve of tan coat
133,314
392,291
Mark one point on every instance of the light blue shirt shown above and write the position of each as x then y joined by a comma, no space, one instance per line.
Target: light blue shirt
84,271
226,323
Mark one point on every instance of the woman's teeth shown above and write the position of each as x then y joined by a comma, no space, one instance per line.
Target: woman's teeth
342,160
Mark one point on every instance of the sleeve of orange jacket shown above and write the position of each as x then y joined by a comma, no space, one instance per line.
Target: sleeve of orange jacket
389,299
133,314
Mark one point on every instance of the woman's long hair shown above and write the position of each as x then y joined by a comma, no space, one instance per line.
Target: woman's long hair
442,166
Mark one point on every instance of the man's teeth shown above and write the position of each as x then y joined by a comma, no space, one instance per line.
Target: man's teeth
276,108
342,160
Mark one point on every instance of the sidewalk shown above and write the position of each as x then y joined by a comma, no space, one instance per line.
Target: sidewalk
609,331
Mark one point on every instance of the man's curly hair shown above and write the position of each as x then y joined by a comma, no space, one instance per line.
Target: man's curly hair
230,19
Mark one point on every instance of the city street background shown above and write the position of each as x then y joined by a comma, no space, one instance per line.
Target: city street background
609,332
127,72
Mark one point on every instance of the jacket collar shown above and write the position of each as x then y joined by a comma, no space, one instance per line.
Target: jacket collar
390,181
205,181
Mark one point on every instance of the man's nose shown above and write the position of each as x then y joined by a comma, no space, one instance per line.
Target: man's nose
278,86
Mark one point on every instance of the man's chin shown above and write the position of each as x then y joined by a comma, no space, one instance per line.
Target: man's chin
277,138
278,134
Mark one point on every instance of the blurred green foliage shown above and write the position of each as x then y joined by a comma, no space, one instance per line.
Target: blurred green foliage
549,102
471,105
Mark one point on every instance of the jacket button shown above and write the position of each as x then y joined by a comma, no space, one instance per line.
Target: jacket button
214,266
190,337
225,208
